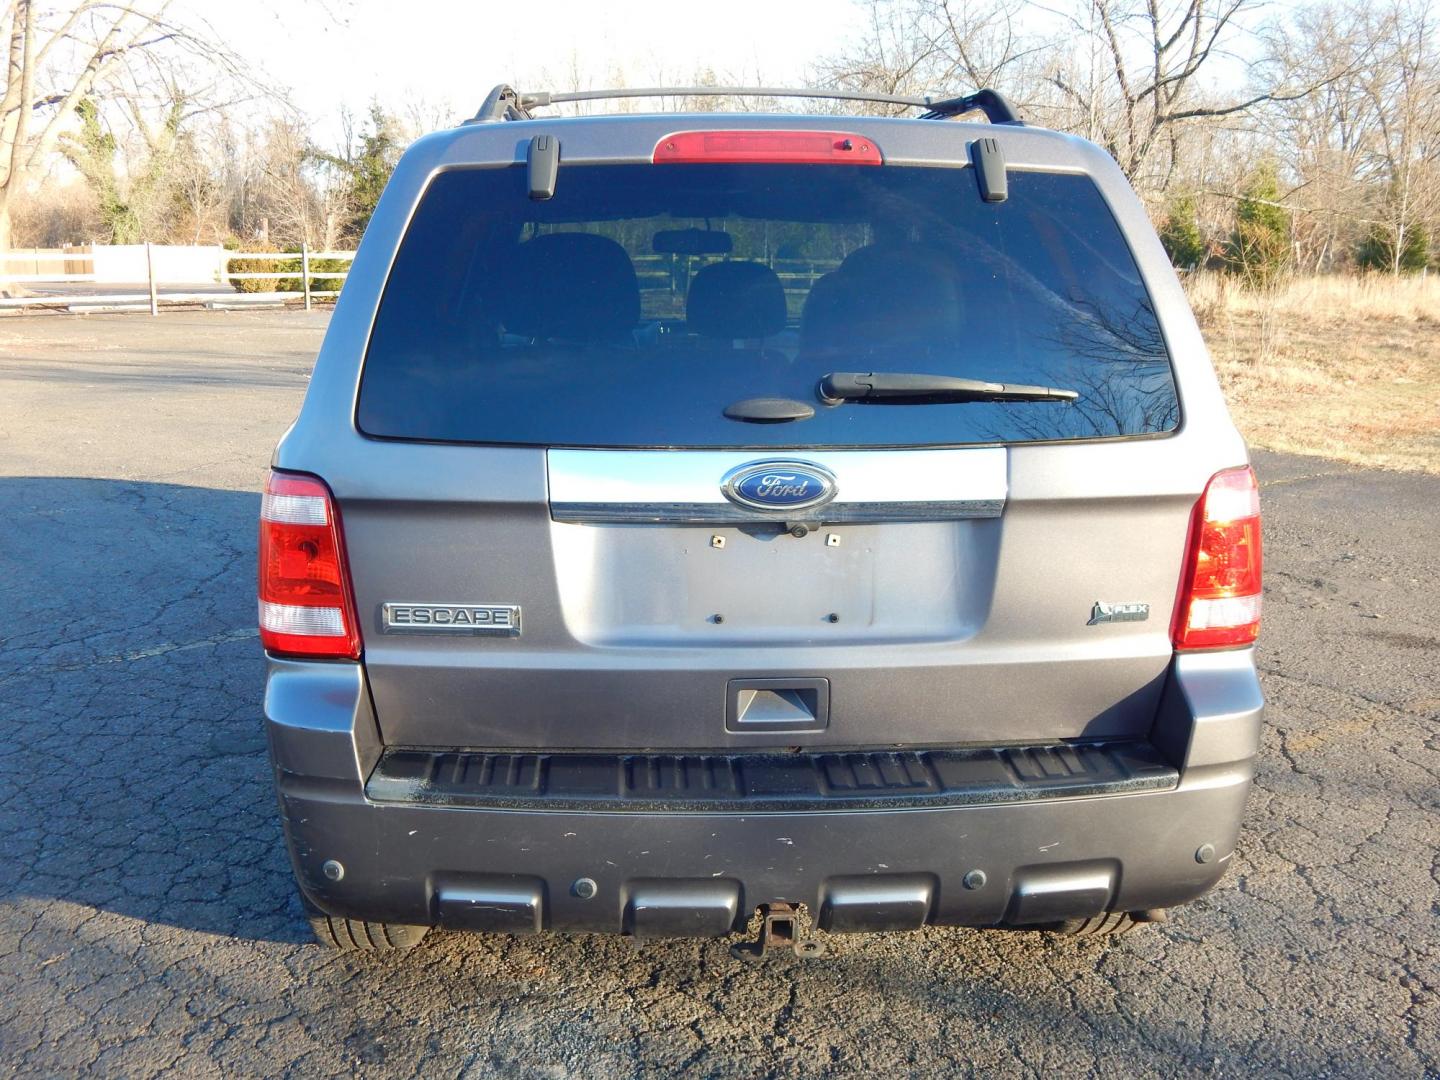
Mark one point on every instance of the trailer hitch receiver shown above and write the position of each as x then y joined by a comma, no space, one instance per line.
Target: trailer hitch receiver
780,928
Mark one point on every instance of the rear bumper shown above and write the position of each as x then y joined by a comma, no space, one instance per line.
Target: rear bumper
667,873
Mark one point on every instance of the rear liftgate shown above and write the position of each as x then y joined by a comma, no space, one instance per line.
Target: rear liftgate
765,498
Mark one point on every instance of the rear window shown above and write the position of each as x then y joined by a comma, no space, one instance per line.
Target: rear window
639,302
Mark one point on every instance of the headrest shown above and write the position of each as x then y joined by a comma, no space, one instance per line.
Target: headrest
885,295
736,300
574,287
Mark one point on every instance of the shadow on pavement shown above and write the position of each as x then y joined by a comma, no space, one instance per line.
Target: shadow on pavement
130,681
151,376
133,782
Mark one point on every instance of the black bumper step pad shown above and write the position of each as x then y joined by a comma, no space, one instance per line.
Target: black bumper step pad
756,782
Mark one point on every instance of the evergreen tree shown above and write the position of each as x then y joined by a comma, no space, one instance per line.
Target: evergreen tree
134,207
366,167
1181,235
1377,250
1259,248
371,168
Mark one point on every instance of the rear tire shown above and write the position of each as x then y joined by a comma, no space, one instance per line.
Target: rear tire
1110,924
360,935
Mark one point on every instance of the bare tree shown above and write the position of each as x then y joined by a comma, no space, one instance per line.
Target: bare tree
1403,89
1362,150
1149,62
914,47
291,198
1321,138
1131,75
59,58
199,193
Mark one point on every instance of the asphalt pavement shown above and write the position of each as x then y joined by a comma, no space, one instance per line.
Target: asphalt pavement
148,924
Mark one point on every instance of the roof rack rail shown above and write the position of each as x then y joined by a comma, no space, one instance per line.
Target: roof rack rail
506,103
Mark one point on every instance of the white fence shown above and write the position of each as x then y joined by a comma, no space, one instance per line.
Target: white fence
159,275
163,274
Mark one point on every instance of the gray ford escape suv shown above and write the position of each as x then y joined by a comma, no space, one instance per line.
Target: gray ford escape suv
690,516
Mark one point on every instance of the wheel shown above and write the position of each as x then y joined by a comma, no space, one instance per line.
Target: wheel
358,935
1111,923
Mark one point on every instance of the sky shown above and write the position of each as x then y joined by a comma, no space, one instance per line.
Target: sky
447,55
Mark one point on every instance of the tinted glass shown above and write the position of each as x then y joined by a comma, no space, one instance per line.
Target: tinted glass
640,301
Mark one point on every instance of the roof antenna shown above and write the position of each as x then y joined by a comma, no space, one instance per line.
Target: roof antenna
543,159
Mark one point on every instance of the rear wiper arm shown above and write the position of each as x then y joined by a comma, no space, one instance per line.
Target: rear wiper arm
898,387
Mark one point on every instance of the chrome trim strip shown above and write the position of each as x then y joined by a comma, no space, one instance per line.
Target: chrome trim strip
685,486
725,514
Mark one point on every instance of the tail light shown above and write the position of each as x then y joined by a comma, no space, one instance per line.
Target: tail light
766,147
1220,591
306,608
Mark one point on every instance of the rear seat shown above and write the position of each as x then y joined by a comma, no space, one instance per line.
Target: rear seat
735,301
890,295
573,287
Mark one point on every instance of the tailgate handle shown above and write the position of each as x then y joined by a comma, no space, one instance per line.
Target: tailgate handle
756,706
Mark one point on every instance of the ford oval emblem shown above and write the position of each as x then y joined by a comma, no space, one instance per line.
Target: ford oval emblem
779,485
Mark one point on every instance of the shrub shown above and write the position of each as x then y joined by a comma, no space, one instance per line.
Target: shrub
256,266
1181,235
1259,248
317,266
1377,250
291,265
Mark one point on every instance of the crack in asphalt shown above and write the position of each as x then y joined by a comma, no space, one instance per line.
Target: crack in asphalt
243,634
148,922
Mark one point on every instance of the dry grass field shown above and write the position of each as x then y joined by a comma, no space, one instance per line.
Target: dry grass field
1342,367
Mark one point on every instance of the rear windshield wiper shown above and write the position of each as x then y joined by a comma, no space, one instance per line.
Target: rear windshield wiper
881,387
